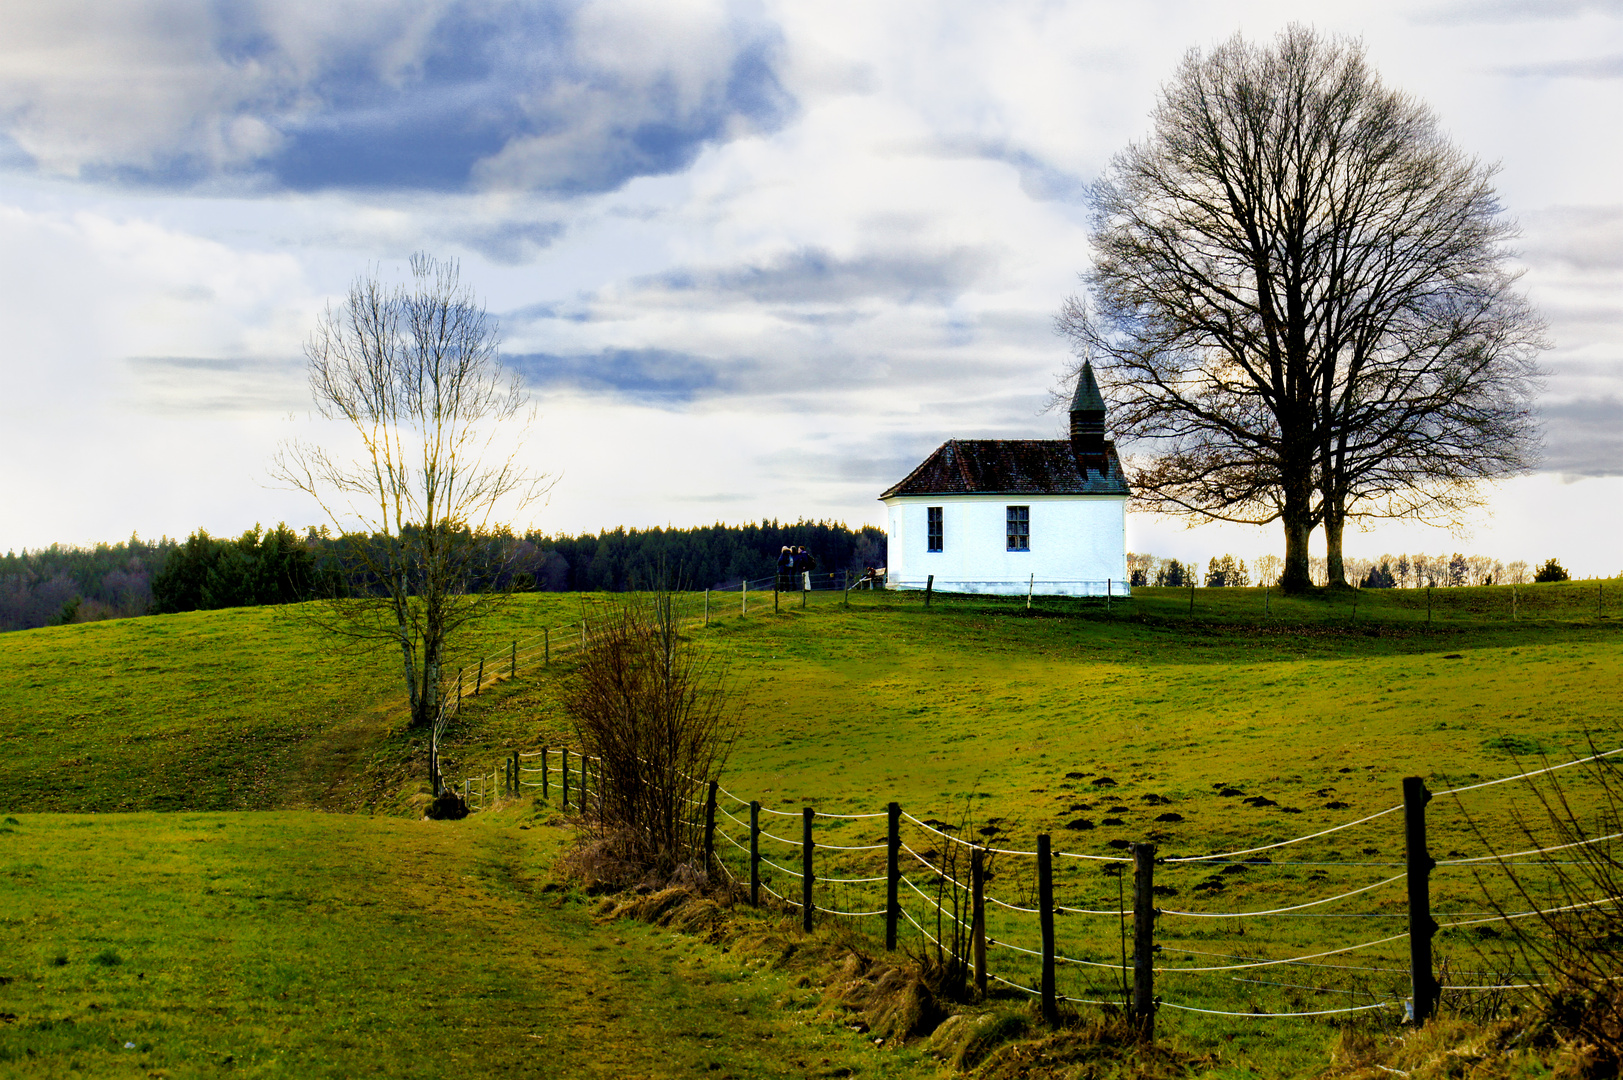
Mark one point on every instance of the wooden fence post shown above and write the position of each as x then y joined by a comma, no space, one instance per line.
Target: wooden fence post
755,853
513,674
459,687
1421,925
479,683
566,777
1428,605
929,587
977,922
806,869
1144,940
805,587
546,792
1031,584
1110,587
893,874
707,607
709,825
743,598
1045,916
1265,599
546,645
518,774
1191,596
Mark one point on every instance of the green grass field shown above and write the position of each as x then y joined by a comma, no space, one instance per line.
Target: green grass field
302,944
976,712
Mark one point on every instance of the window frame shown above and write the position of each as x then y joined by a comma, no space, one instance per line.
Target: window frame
935,532
1017,528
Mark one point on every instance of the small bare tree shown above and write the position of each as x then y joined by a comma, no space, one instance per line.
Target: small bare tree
413,369
655,711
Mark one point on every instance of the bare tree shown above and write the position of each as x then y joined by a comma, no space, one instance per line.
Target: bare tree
1299,304
414,371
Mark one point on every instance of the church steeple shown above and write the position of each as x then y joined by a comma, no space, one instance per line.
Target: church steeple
1088,421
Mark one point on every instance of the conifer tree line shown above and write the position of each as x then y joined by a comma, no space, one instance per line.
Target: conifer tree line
64,584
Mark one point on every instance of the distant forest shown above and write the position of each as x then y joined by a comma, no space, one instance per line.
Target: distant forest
56,585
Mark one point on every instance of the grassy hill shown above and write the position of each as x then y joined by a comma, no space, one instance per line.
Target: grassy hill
978,712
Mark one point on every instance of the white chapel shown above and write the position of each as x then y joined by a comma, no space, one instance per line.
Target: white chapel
1012,515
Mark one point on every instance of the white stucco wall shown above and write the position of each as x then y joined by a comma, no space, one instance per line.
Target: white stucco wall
1078,543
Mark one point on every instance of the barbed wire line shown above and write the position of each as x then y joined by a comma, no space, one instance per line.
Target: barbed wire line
1331,967
1285,843
1060,997
928,899
1279,1016
1015,907
1530,914
1285,864
921,929
1291,959
782,869
1094,858
728,837
992,850
1294,986
1068,910
1530,851
933,869
1525,775
1059,958
851,914
1283,910
854,880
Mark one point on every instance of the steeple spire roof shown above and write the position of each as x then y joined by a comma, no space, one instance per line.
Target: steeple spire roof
1087,397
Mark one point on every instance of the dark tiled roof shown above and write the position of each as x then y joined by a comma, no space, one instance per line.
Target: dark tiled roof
1011,467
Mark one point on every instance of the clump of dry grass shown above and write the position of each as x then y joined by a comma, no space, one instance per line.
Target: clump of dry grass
1570,1036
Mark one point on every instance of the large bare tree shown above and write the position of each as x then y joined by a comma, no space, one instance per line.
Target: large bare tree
1300,302
413,370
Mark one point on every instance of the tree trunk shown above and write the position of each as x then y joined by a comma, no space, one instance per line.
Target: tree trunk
1297,513
1334,522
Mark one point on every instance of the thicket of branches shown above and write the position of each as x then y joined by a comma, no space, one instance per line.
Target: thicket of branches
655,711
1569,955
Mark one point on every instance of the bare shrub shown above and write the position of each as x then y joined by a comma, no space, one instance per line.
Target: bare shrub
1570,950
655,713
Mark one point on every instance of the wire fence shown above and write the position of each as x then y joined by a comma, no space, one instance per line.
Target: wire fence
1065,926
565,639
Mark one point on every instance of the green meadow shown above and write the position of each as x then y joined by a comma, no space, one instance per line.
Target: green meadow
398,943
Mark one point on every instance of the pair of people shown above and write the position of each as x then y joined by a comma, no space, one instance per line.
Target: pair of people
795,565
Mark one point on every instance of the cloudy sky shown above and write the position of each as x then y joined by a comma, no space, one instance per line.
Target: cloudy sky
753,259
